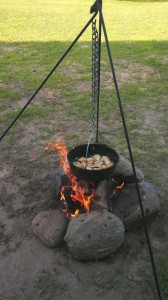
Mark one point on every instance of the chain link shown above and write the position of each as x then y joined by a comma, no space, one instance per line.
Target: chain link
95,70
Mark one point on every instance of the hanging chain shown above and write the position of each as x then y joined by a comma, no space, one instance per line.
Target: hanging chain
95,69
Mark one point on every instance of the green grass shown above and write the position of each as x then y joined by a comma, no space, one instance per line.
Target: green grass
47,21
163,272
36,34
9,94
33,111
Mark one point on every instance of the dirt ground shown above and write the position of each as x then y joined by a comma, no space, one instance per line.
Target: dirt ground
29,181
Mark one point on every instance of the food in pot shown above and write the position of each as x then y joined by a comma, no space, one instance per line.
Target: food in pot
95,162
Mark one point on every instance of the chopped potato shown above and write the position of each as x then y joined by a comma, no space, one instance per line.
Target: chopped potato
95,162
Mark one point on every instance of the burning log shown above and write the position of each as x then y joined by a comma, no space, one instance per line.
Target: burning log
101,198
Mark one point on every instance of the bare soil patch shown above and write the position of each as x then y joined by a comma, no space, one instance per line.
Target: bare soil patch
8,48
71,71
128,73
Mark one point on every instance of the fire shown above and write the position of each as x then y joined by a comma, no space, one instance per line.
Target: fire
78,192
59,146
119,187
75,214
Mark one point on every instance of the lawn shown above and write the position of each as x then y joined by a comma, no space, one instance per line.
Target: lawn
34,35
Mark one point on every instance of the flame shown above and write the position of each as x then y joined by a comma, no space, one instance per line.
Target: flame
59,146
78,193
75,214
117,188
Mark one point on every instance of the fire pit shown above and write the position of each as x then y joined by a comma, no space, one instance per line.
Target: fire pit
93,216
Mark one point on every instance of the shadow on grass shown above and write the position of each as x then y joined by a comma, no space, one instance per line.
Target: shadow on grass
25,65
46,54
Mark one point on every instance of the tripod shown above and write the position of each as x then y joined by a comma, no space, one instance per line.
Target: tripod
96,9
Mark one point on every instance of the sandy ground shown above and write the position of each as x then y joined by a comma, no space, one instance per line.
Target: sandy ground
29,181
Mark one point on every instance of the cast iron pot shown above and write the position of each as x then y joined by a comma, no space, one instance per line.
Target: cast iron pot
92,175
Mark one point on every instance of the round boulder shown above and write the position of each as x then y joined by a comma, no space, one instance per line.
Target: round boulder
50,227
126,205
94,235
124,172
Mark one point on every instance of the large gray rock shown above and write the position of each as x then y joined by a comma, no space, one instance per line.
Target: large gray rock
94,235
126,206
124,172
50,227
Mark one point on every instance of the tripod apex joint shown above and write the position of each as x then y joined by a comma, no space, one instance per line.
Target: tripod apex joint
95,6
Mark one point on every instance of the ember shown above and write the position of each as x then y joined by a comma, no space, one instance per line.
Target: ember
118,187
